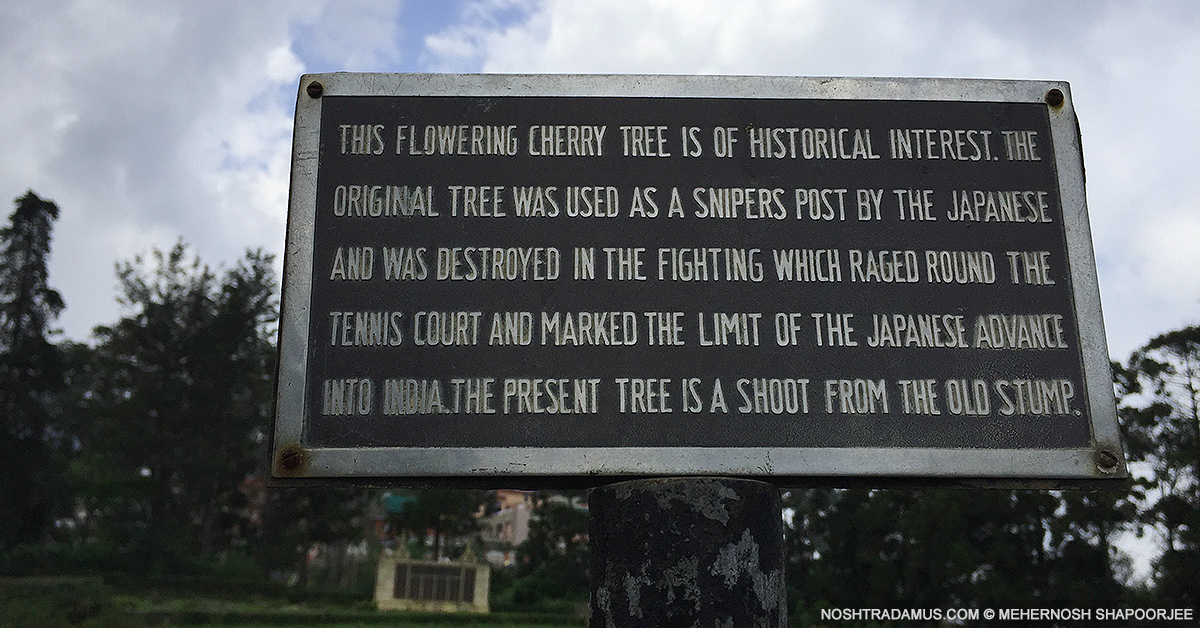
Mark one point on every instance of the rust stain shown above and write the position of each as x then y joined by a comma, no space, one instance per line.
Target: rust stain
292,461
1055,98
1107,461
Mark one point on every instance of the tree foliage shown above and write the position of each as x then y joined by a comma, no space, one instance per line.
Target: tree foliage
294,519
149,441
553,562
949,548
447,513
30,371
176,398
1160,390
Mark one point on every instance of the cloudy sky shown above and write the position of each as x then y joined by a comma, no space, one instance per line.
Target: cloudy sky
153,121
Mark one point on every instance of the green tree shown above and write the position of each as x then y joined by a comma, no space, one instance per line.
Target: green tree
295,519
1160,404
553,562
30,371
177,399
942,548
448,513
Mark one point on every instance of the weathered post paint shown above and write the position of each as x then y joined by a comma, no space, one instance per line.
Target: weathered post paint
687,552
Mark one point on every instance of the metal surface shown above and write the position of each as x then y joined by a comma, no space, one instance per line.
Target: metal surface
1084,458
686,552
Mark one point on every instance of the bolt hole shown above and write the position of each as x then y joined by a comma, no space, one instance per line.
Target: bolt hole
1055,98
291,458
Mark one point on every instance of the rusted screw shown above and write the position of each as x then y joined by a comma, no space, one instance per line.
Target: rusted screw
1054,97
315,89
1107,461
291,458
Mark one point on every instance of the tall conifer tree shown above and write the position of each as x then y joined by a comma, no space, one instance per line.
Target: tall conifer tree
30,368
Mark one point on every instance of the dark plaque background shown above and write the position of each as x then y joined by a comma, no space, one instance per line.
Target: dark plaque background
609,428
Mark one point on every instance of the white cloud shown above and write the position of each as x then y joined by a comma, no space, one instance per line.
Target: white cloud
1134,71
174,119
148,122
350,35
801,37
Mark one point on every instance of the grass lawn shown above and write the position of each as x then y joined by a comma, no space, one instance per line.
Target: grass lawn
86,602
398,624
201,612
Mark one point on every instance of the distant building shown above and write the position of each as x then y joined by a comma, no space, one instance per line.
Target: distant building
403,583
502,531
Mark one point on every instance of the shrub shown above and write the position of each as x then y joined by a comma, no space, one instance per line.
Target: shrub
53,602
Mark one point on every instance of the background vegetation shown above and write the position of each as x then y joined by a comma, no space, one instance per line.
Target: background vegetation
130,491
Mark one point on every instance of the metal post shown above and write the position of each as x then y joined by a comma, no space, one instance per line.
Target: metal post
687,552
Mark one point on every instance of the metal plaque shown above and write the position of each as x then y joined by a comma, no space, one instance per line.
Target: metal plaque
538,279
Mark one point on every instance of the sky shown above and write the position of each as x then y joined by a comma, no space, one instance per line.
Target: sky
154,122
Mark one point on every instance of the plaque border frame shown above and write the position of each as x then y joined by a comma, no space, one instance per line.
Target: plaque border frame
294,463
